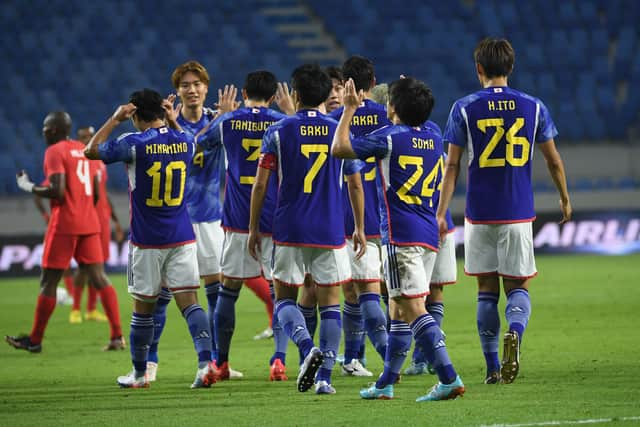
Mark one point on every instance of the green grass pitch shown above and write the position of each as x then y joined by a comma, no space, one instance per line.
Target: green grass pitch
579,362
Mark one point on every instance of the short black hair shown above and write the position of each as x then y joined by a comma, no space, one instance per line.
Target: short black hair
260,85
412,100
360,69
312,84
148,104
496,57
335,73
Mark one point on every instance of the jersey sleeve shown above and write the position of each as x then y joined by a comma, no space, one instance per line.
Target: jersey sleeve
212,137
117,150
352,166
374,144
546,128
269,150
53,163
455,130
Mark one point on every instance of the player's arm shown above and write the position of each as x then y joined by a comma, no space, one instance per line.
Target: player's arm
119,234
556,170
96,189
122,113
41,208
451,172
356,196
258,192
341,145
53,190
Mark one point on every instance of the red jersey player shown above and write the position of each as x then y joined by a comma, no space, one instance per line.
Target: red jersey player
73,230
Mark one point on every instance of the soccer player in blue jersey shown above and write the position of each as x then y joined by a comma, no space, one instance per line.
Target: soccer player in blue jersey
500,127
162,242
202,197
410,159
361,311
308,223
240,132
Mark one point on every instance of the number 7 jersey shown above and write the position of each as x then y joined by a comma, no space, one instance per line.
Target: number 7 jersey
499,126
157,162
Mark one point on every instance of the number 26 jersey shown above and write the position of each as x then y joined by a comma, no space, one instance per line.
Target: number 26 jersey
499,125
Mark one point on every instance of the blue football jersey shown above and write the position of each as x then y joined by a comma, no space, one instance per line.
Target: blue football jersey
410,161
241,133
309,209
367,118
205,175
498,125
157,162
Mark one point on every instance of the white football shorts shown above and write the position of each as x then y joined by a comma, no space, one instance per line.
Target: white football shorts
408,270
367,268
238,264
149,269
327,267
209,240
503,249
445,272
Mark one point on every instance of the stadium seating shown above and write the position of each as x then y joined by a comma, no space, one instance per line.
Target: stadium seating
581,57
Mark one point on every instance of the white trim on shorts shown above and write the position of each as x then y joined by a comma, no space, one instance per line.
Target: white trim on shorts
327,267
150,269
499,249
238,264
408,270
209,242
445,270
366,269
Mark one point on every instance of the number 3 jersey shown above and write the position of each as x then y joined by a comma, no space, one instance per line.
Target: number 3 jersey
157,162
410,161
241,133
498,125
76,214
309,209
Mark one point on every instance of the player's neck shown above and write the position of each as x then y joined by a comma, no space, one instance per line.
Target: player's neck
252,103
142,126
495,81
192,114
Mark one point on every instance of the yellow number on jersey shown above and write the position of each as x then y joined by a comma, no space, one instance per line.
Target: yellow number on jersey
252,146
156,176
198,159
307,149
486,161
428,184
371,175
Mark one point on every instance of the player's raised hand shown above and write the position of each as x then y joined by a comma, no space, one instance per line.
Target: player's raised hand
253,243
284,99
23,181
171,112
359,243
227,99
352,98
567,211
124,112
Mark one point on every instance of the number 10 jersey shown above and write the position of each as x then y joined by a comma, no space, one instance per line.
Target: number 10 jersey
157,162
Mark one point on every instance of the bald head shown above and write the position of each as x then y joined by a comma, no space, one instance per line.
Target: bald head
56,126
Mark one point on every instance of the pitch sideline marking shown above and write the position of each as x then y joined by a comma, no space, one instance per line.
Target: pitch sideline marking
558,423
